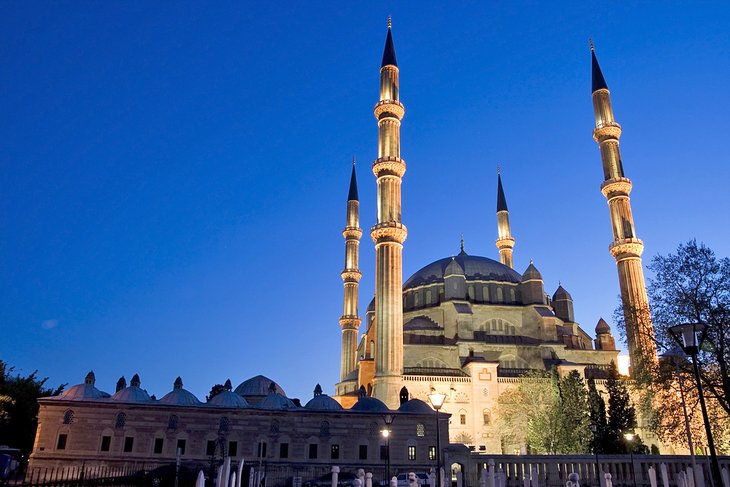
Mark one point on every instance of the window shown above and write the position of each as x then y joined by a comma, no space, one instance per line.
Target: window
128,444
462,419
411,453
223,425
429,298
181,446
420,430
485,294
61,445
363,452
487,416
68,417
158,446
335,452
432,453
312,451
106,442
284,450
261,450
172,422
232,448
324,428
499,295
274,427
120,421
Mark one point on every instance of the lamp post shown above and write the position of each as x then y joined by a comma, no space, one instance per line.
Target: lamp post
437,400
686,335
629,440
388,418
594,430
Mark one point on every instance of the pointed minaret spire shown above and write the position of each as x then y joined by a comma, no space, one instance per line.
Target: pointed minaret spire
598,82
626,247
389,51
505,243
352,195
350,320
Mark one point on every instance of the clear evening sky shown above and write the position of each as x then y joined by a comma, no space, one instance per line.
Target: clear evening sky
174,174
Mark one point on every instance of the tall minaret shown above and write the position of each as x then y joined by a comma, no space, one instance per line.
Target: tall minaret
389,234
505,242
350,320
626,247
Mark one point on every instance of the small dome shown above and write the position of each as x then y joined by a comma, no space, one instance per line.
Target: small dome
322,402
83,392
562,295
453,269
369,404
179,396
531,273
257,386
276,401
133,393
602,327
228,399
415,406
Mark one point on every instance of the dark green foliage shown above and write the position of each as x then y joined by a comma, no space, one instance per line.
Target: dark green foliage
575,413
19,407
621,417
597,414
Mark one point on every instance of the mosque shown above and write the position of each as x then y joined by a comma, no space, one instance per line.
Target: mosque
467,326
470,326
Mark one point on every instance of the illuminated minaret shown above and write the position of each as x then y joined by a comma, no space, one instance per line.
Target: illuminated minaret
626,248
389,234
350,321
505,242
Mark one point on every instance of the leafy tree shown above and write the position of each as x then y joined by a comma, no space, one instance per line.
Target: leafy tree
597,415
19,407
576,433
218,388
621,417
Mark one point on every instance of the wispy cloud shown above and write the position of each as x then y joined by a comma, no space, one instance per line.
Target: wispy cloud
49,324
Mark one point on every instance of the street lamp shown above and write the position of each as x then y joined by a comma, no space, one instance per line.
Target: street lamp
686,335
629,439
437,400
388,418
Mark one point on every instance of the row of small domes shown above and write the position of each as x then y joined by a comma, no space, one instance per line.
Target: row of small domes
265,392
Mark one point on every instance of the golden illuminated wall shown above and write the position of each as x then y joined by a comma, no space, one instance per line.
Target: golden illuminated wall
626,248
388,234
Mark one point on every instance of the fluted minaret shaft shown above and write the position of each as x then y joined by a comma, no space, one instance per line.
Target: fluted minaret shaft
626,248
350,320
505,243
389,234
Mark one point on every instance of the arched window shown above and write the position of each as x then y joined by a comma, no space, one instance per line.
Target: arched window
470,292
172,422
324,428
428,297
485,293
487,415
274,427
68,417
500,297
224,425
120,421
512,295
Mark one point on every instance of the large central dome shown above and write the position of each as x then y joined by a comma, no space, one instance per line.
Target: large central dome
475,268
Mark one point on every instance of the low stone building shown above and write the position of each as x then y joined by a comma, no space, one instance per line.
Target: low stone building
256,421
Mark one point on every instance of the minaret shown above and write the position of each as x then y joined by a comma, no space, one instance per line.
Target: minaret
626,247
505,242
389,234
350,320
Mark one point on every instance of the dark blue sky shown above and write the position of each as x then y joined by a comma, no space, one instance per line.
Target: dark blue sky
174,174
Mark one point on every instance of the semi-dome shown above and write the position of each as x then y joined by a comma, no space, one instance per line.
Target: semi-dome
276,401
473,266
179,396
83,392
133,393
322,402
228,399
257,386
415,406
370,404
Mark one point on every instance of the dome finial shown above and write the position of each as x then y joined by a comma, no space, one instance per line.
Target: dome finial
318,390
461,242
531,262
178,384
390,22
90,378
590,42
498,170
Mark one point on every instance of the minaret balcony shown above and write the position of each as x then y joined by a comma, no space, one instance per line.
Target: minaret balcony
351,275
385,108
616,187
626,248
352,233
389,232
606,131
350,322
389,166
505,243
